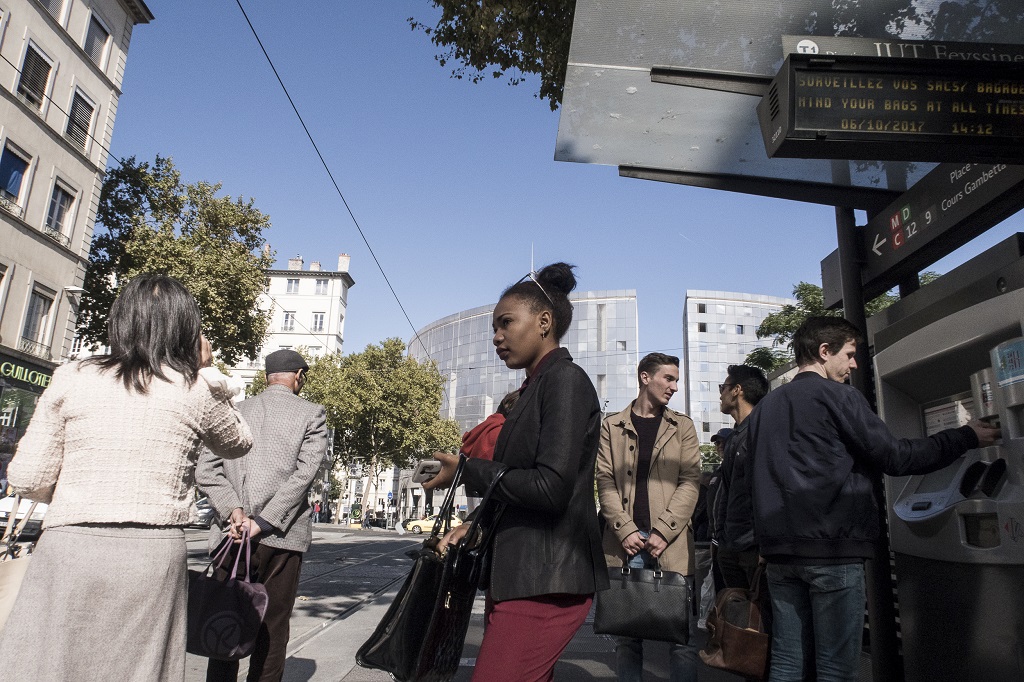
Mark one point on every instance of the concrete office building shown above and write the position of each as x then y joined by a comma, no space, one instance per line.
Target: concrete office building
307,310
602,340
61,66
719,329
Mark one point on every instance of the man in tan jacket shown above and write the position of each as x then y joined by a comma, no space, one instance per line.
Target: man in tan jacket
648,474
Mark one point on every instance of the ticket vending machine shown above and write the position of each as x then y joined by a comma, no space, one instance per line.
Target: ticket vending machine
952,351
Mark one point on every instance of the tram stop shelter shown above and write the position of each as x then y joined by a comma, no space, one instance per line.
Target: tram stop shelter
668,90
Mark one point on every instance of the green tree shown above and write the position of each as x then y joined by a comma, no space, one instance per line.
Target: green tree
384,408
152,222
810,301
492,38
709,457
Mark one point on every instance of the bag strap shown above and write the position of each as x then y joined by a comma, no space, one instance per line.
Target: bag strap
14,527
755,581
443,522
484,503
224,550
247,541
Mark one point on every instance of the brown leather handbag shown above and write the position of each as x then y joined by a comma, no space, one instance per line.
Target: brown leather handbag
737,639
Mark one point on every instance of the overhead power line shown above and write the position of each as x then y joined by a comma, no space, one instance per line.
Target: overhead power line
327,168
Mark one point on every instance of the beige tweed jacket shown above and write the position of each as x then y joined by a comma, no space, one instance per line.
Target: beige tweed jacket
273,480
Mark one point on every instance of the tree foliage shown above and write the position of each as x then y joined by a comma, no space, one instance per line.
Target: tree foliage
484,38
152,222
810,302
709,457
383,405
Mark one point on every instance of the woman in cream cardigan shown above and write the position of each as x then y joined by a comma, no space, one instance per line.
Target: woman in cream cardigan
112,448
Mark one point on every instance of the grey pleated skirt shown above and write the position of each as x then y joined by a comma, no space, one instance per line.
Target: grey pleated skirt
100,603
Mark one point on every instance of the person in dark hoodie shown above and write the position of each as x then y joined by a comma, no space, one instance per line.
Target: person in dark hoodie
737,555
815,449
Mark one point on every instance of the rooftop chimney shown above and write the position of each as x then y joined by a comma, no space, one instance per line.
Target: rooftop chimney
314,266
343,261
295,263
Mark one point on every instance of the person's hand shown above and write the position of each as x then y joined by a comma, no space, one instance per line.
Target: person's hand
633,543
205,352
444,478
656,544
987,434
235,523
453,537
254,528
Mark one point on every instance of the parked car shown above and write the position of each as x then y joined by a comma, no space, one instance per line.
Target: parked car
205,513
33,527
419,525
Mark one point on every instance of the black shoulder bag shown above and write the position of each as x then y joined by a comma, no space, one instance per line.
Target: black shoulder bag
420,637
645,603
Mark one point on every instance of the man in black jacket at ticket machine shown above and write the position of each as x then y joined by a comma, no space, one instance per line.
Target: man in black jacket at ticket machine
815,449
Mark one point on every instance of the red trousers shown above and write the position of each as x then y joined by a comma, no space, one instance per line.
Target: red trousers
523,638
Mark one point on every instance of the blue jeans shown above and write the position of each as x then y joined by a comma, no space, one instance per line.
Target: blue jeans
818,614
629,652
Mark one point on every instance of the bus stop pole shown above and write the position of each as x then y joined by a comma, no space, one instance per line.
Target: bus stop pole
885,661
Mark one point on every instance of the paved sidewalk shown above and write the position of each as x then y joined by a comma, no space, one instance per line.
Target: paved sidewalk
350,577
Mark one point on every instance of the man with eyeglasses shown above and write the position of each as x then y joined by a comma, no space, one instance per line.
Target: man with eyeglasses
736,553
648,475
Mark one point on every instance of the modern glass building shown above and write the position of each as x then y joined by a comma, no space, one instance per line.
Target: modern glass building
719,329
602,340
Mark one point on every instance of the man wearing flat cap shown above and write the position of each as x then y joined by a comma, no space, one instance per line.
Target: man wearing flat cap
266,491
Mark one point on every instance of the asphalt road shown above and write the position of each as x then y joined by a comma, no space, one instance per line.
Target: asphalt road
343,571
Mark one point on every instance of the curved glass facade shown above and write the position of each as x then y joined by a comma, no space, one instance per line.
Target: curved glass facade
602,340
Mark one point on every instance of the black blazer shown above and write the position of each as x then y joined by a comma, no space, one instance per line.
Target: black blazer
547,540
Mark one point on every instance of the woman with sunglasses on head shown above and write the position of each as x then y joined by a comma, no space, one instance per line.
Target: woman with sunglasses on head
112,447
546,559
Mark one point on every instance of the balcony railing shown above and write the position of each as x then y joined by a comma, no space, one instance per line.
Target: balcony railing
57,236
34,348
10,205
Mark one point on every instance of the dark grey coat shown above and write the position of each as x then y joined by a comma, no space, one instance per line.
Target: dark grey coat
547,541
273,480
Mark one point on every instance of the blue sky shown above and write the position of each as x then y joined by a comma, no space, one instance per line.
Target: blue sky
453,183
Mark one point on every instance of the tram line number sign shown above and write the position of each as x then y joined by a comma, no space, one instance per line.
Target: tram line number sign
889,109
947,208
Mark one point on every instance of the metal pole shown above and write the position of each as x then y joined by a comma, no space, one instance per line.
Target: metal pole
885,661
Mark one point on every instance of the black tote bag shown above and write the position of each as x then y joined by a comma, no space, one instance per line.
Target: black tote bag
420,638
645,603
224,616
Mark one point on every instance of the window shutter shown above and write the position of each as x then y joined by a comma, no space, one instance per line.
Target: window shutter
79,120
54,7
35,72
96,41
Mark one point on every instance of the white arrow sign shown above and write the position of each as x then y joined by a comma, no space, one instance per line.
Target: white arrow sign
878,242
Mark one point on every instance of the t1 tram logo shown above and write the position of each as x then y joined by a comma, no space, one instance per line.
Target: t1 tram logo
901,227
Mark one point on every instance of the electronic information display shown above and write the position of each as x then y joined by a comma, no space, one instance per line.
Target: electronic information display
876,108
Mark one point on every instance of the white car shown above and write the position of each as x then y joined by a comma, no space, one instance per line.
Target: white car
35,522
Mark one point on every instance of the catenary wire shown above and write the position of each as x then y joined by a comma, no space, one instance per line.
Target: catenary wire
327,168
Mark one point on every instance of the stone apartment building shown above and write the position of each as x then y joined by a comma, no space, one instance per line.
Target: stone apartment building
61,67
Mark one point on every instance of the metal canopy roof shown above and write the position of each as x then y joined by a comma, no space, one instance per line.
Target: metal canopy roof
708,136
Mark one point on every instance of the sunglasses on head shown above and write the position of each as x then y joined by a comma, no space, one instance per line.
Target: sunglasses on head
533,277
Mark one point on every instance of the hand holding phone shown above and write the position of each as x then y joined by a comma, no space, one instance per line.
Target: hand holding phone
426,470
